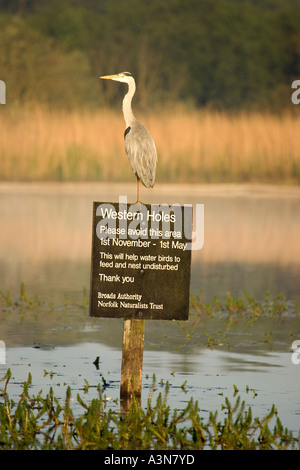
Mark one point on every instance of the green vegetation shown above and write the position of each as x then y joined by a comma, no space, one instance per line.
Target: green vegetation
218,54
213,324
42,422
244,307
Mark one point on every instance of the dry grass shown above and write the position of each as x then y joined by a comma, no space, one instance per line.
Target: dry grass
43,145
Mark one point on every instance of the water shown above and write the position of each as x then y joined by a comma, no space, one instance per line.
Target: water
208,377
251,244
251,237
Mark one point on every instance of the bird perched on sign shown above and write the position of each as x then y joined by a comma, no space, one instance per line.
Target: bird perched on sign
139,145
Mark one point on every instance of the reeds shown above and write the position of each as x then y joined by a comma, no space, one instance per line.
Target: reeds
38,144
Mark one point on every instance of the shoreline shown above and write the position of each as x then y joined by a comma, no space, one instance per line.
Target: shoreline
213,189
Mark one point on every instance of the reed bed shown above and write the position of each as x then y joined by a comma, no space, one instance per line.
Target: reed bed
38,144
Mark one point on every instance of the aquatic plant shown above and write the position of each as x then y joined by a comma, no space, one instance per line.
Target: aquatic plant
212,324
234,308
229,315
42,422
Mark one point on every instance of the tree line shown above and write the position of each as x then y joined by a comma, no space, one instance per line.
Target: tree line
218,54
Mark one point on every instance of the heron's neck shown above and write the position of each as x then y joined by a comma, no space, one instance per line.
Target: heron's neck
126,106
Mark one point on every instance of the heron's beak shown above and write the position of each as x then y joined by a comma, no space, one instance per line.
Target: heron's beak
110,77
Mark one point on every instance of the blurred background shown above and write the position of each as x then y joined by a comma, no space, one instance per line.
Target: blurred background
233,55
215,74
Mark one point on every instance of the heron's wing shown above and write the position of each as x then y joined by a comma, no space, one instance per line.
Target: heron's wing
141,152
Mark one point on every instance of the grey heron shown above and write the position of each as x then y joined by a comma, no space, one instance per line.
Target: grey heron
139,145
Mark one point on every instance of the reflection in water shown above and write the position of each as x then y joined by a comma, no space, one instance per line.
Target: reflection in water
251,237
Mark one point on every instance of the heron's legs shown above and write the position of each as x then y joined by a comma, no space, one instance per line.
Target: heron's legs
138,190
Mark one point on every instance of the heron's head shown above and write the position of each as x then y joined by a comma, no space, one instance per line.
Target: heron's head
124,77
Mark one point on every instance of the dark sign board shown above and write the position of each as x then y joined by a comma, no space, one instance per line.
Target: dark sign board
141,261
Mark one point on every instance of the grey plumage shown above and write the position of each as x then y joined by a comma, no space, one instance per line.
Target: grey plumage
141,152
139,145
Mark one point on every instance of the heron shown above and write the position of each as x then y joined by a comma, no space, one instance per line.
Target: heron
139,144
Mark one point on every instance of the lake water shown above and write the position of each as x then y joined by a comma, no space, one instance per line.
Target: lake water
251,237
251,244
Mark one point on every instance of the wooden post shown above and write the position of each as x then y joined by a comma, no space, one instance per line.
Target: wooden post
132,359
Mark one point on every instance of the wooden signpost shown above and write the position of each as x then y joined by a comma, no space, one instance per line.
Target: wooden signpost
140,270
